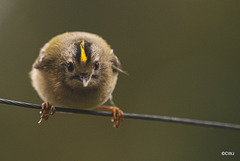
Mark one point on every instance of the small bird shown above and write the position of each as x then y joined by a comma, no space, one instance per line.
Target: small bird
76,69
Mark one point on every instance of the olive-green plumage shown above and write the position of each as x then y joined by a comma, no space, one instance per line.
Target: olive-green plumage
68,74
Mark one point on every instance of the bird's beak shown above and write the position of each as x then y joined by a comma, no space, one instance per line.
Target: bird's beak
85,81
85,78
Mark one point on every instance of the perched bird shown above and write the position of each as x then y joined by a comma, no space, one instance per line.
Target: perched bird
76,69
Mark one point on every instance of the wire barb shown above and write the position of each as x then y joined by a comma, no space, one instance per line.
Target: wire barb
130,115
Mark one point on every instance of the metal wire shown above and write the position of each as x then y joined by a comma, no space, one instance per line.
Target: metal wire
130,115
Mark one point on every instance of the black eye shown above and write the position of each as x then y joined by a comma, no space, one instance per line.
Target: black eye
96,66
70,66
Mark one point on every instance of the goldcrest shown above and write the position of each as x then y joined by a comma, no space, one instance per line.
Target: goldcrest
77,70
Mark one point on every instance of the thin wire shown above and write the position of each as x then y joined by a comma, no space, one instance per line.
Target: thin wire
130,115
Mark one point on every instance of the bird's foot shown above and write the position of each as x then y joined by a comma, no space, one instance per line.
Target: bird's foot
47,110
118,114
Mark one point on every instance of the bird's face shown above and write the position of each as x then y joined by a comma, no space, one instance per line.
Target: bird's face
83,65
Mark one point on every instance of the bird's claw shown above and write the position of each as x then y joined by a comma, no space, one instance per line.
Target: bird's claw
117,118
47,110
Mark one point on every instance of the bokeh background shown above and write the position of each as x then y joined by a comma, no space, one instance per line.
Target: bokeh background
182,58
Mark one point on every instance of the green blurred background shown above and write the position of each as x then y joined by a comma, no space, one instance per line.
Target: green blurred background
182,58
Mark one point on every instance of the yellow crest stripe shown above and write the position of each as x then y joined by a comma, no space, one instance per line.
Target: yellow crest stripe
83,57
